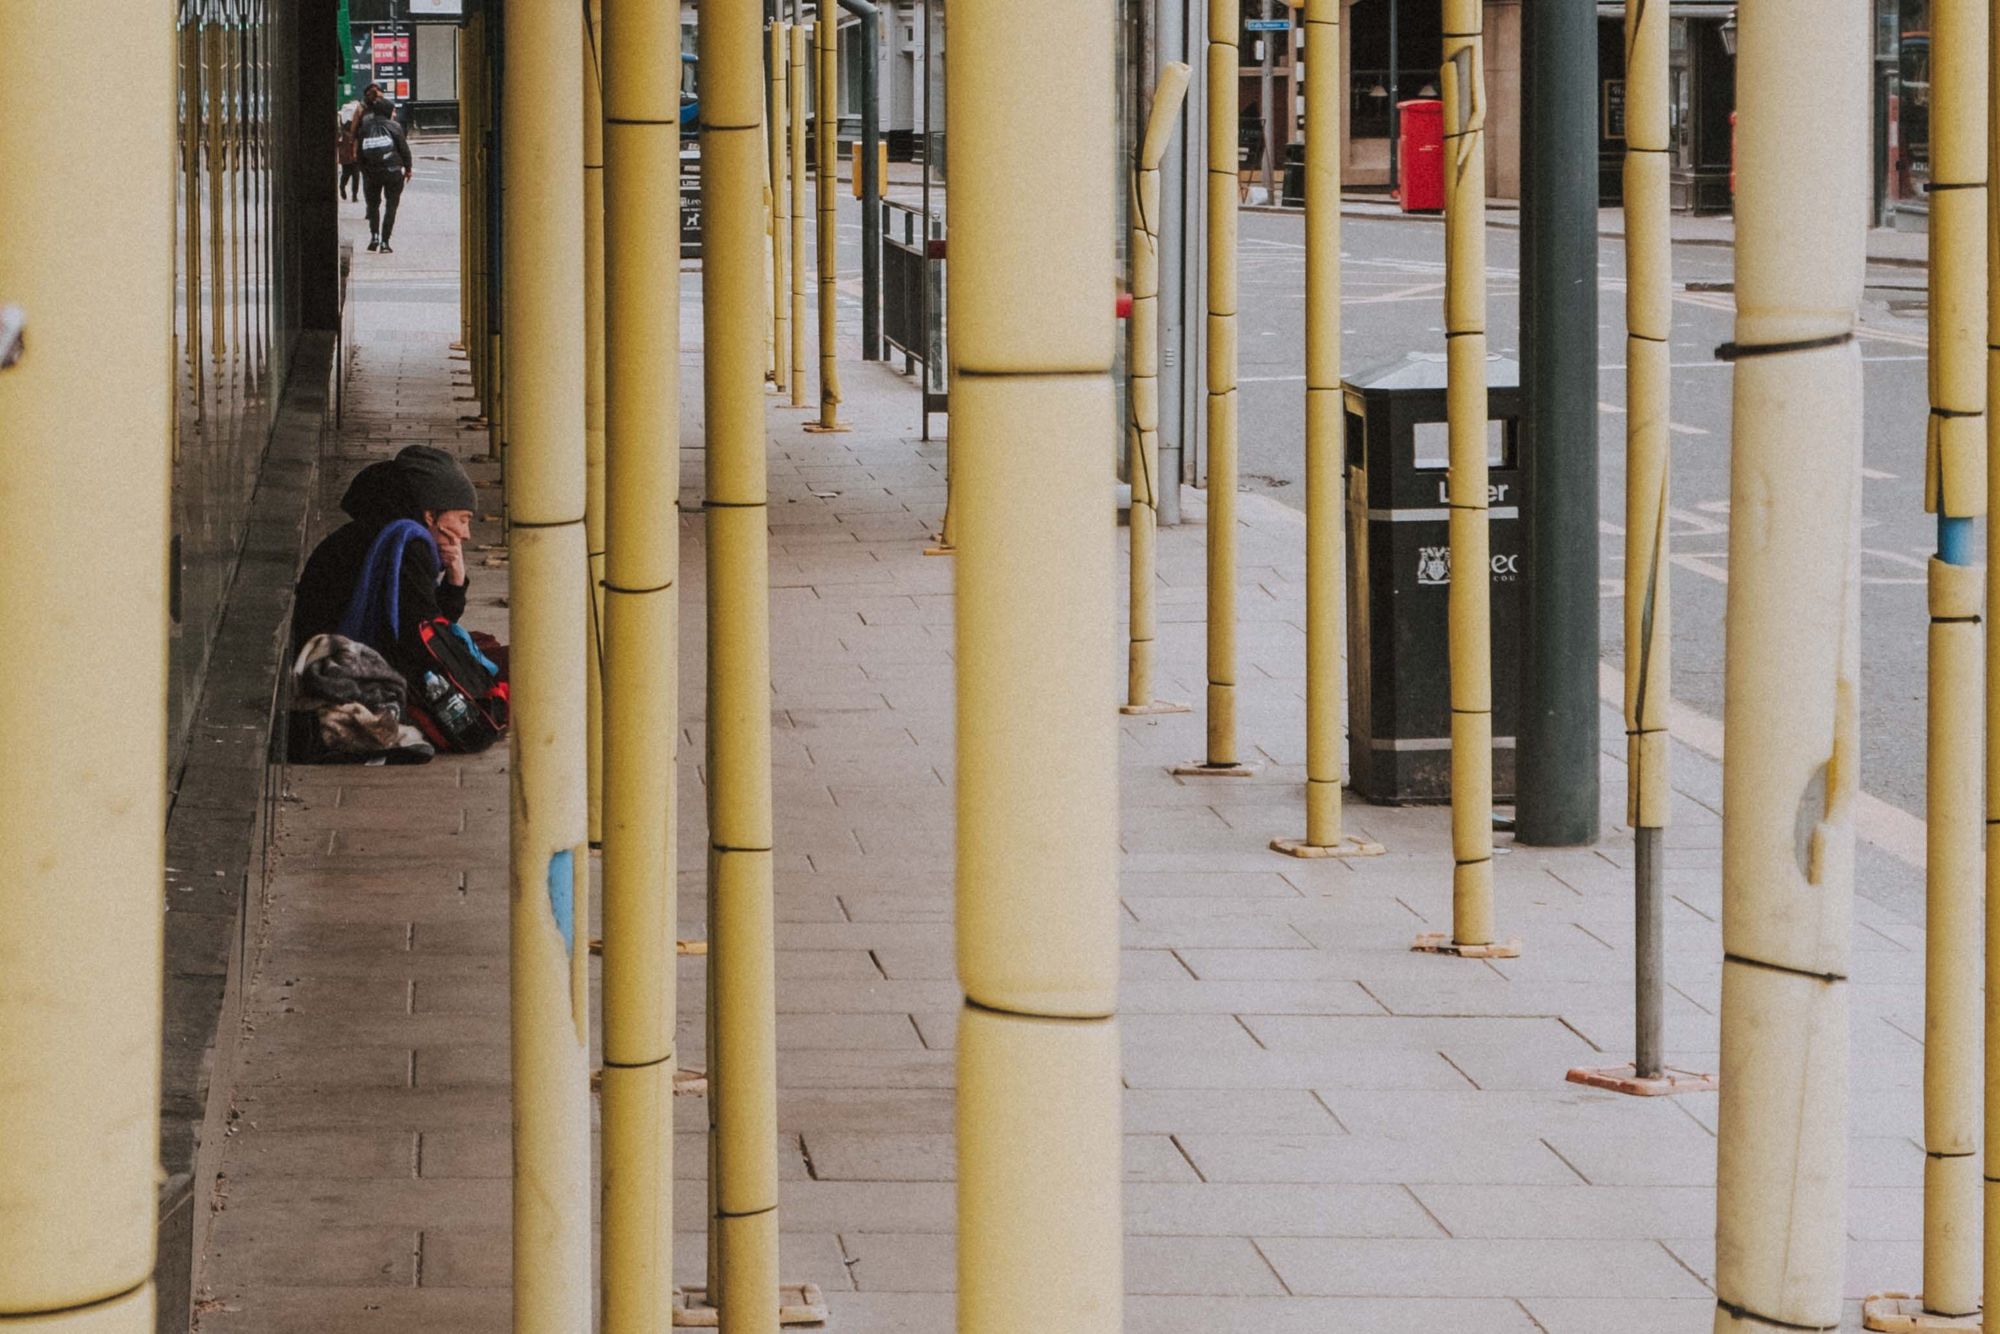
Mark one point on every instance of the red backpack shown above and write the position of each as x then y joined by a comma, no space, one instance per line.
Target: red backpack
457,698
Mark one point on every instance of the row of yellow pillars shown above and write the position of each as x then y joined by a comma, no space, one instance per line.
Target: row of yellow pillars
593,471
1039,1142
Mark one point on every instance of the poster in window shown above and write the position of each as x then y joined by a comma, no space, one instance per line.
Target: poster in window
1613,118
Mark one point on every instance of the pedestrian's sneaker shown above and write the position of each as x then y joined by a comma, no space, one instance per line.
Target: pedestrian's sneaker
374,243
386,250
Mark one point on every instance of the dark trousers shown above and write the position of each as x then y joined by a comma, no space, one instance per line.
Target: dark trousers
350,175
375,185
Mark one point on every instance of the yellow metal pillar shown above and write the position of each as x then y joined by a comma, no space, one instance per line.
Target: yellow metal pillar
1326,456
593,401
544,284
826,116
1648,377
1142,369
641,624
1039,1234
1648,374
1990,1279
743,1060
795,84
1792,675
1470,604
1224,86
85,427
778,119
1955,489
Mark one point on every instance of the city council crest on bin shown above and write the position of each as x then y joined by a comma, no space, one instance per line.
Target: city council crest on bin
1433,565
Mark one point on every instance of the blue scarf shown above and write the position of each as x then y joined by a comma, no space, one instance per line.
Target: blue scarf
374,611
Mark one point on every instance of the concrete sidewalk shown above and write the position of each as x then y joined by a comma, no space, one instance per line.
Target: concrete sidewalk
1323,1130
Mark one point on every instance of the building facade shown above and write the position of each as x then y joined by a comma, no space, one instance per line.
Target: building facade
410,47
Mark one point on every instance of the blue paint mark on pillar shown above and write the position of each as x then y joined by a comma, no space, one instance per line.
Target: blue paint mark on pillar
1954,540
562,896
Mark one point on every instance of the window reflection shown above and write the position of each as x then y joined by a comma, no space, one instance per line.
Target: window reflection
232,327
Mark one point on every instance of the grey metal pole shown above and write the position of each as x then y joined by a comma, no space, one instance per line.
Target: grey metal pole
1650,974
1395,116
1265,109
1180,242
871,177
1556,779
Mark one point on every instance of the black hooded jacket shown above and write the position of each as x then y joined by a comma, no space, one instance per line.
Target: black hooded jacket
378,495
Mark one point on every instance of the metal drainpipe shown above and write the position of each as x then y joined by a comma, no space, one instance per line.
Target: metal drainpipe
871,178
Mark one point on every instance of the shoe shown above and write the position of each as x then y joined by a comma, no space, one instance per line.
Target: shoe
374,244
386,250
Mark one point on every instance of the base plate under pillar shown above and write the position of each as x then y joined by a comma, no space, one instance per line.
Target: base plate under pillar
1347,847
1902,1312
940,547
1625,1079
1440,942
1157,706
798,1304
811,428
1199,769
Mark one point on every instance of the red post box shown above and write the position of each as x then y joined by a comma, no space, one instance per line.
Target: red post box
1422,155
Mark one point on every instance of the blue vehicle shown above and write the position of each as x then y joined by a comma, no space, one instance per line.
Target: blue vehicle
690,103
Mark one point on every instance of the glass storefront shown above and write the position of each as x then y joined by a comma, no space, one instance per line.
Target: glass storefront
234,325
1909,139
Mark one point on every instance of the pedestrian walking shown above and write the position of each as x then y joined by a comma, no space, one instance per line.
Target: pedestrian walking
385,166
369,97
348,149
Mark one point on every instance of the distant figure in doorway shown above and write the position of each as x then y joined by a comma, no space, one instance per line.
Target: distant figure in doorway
348,150
385,166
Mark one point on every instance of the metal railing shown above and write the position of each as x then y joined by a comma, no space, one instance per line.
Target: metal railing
913,298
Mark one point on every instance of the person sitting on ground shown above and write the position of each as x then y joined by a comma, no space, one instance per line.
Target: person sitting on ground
393,581
411,514
385,166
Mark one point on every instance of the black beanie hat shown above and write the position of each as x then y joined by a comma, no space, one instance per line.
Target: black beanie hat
434,479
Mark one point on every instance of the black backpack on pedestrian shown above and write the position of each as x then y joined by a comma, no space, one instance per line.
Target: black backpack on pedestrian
379,145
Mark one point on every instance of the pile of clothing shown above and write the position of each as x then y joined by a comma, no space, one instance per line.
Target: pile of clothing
349,703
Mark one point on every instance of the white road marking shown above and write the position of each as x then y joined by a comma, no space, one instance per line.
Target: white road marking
1678,428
